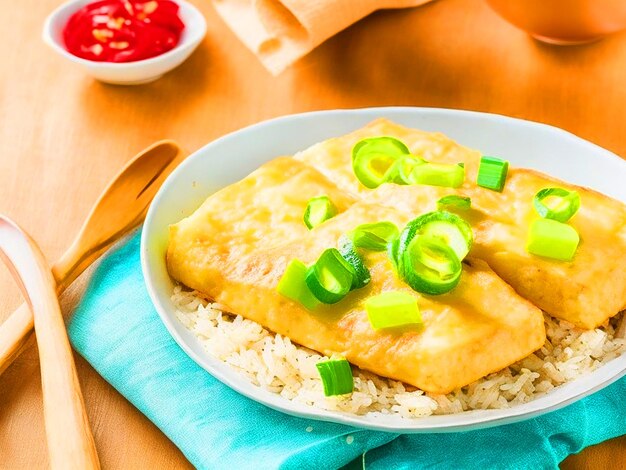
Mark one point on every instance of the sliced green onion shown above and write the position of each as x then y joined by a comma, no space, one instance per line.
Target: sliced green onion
373,158
430,266
293,285
331,277
362,275
393,250
552,239
448,227
375,236
461,164
318,210
336,376
371,168
385,144
454,201
438,174
402,168
492,173
392,309
556,203
429,252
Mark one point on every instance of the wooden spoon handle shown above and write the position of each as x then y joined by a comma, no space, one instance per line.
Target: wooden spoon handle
16,334
70,443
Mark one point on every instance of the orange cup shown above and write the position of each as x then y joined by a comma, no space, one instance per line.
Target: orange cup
564,22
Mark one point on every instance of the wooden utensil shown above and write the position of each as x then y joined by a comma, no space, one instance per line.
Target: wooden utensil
70,443
120,208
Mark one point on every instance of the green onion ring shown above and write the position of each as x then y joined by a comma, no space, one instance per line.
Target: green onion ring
330,278
450,228
318,210
372,159
430,266
567,204
400,171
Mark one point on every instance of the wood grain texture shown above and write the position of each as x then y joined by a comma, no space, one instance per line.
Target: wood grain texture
63,136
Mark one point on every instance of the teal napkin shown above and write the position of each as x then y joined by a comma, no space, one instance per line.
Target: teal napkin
117,330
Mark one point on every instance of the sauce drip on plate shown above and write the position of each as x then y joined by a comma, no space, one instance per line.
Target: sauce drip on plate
123,30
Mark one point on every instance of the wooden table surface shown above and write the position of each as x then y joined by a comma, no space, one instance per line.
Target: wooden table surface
64,135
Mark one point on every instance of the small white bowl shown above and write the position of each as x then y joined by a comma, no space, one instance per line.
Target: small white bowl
128,73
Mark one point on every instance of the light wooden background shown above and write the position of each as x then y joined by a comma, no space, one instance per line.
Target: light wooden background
64,135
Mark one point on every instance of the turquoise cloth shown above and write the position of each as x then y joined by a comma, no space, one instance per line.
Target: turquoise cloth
116,328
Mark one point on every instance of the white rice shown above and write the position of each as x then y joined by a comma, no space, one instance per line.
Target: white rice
273,362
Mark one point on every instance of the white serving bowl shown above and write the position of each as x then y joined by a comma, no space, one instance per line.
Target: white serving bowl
232,157
128,73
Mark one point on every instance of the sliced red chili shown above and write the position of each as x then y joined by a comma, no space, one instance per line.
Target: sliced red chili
123,30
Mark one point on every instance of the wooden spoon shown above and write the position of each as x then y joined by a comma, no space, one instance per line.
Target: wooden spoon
120,208
70,443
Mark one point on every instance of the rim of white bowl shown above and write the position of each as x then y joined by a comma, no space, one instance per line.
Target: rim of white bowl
556,399
187,40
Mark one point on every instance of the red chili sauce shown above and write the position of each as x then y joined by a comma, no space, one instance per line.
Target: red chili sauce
123,30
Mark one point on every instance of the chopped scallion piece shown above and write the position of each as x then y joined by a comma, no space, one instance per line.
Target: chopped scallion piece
492,173
393,250
552,239
556,203
438,174
392,309
336,377
449,228
293,285
371,168
318,210
400,171
430,266
455,202
373,158
331,277
375,236
362,275
429,252
384,144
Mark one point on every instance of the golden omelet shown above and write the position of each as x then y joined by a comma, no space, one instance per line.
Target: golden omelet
237,245
586,291
466,333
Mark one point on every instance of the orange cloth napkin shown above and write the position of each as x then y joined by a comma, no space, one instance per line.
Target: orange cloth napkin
279,32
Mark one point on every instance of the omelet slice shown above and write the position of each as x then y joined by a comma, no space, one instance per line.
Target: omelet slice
333,157
586,291
466,334
263,210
